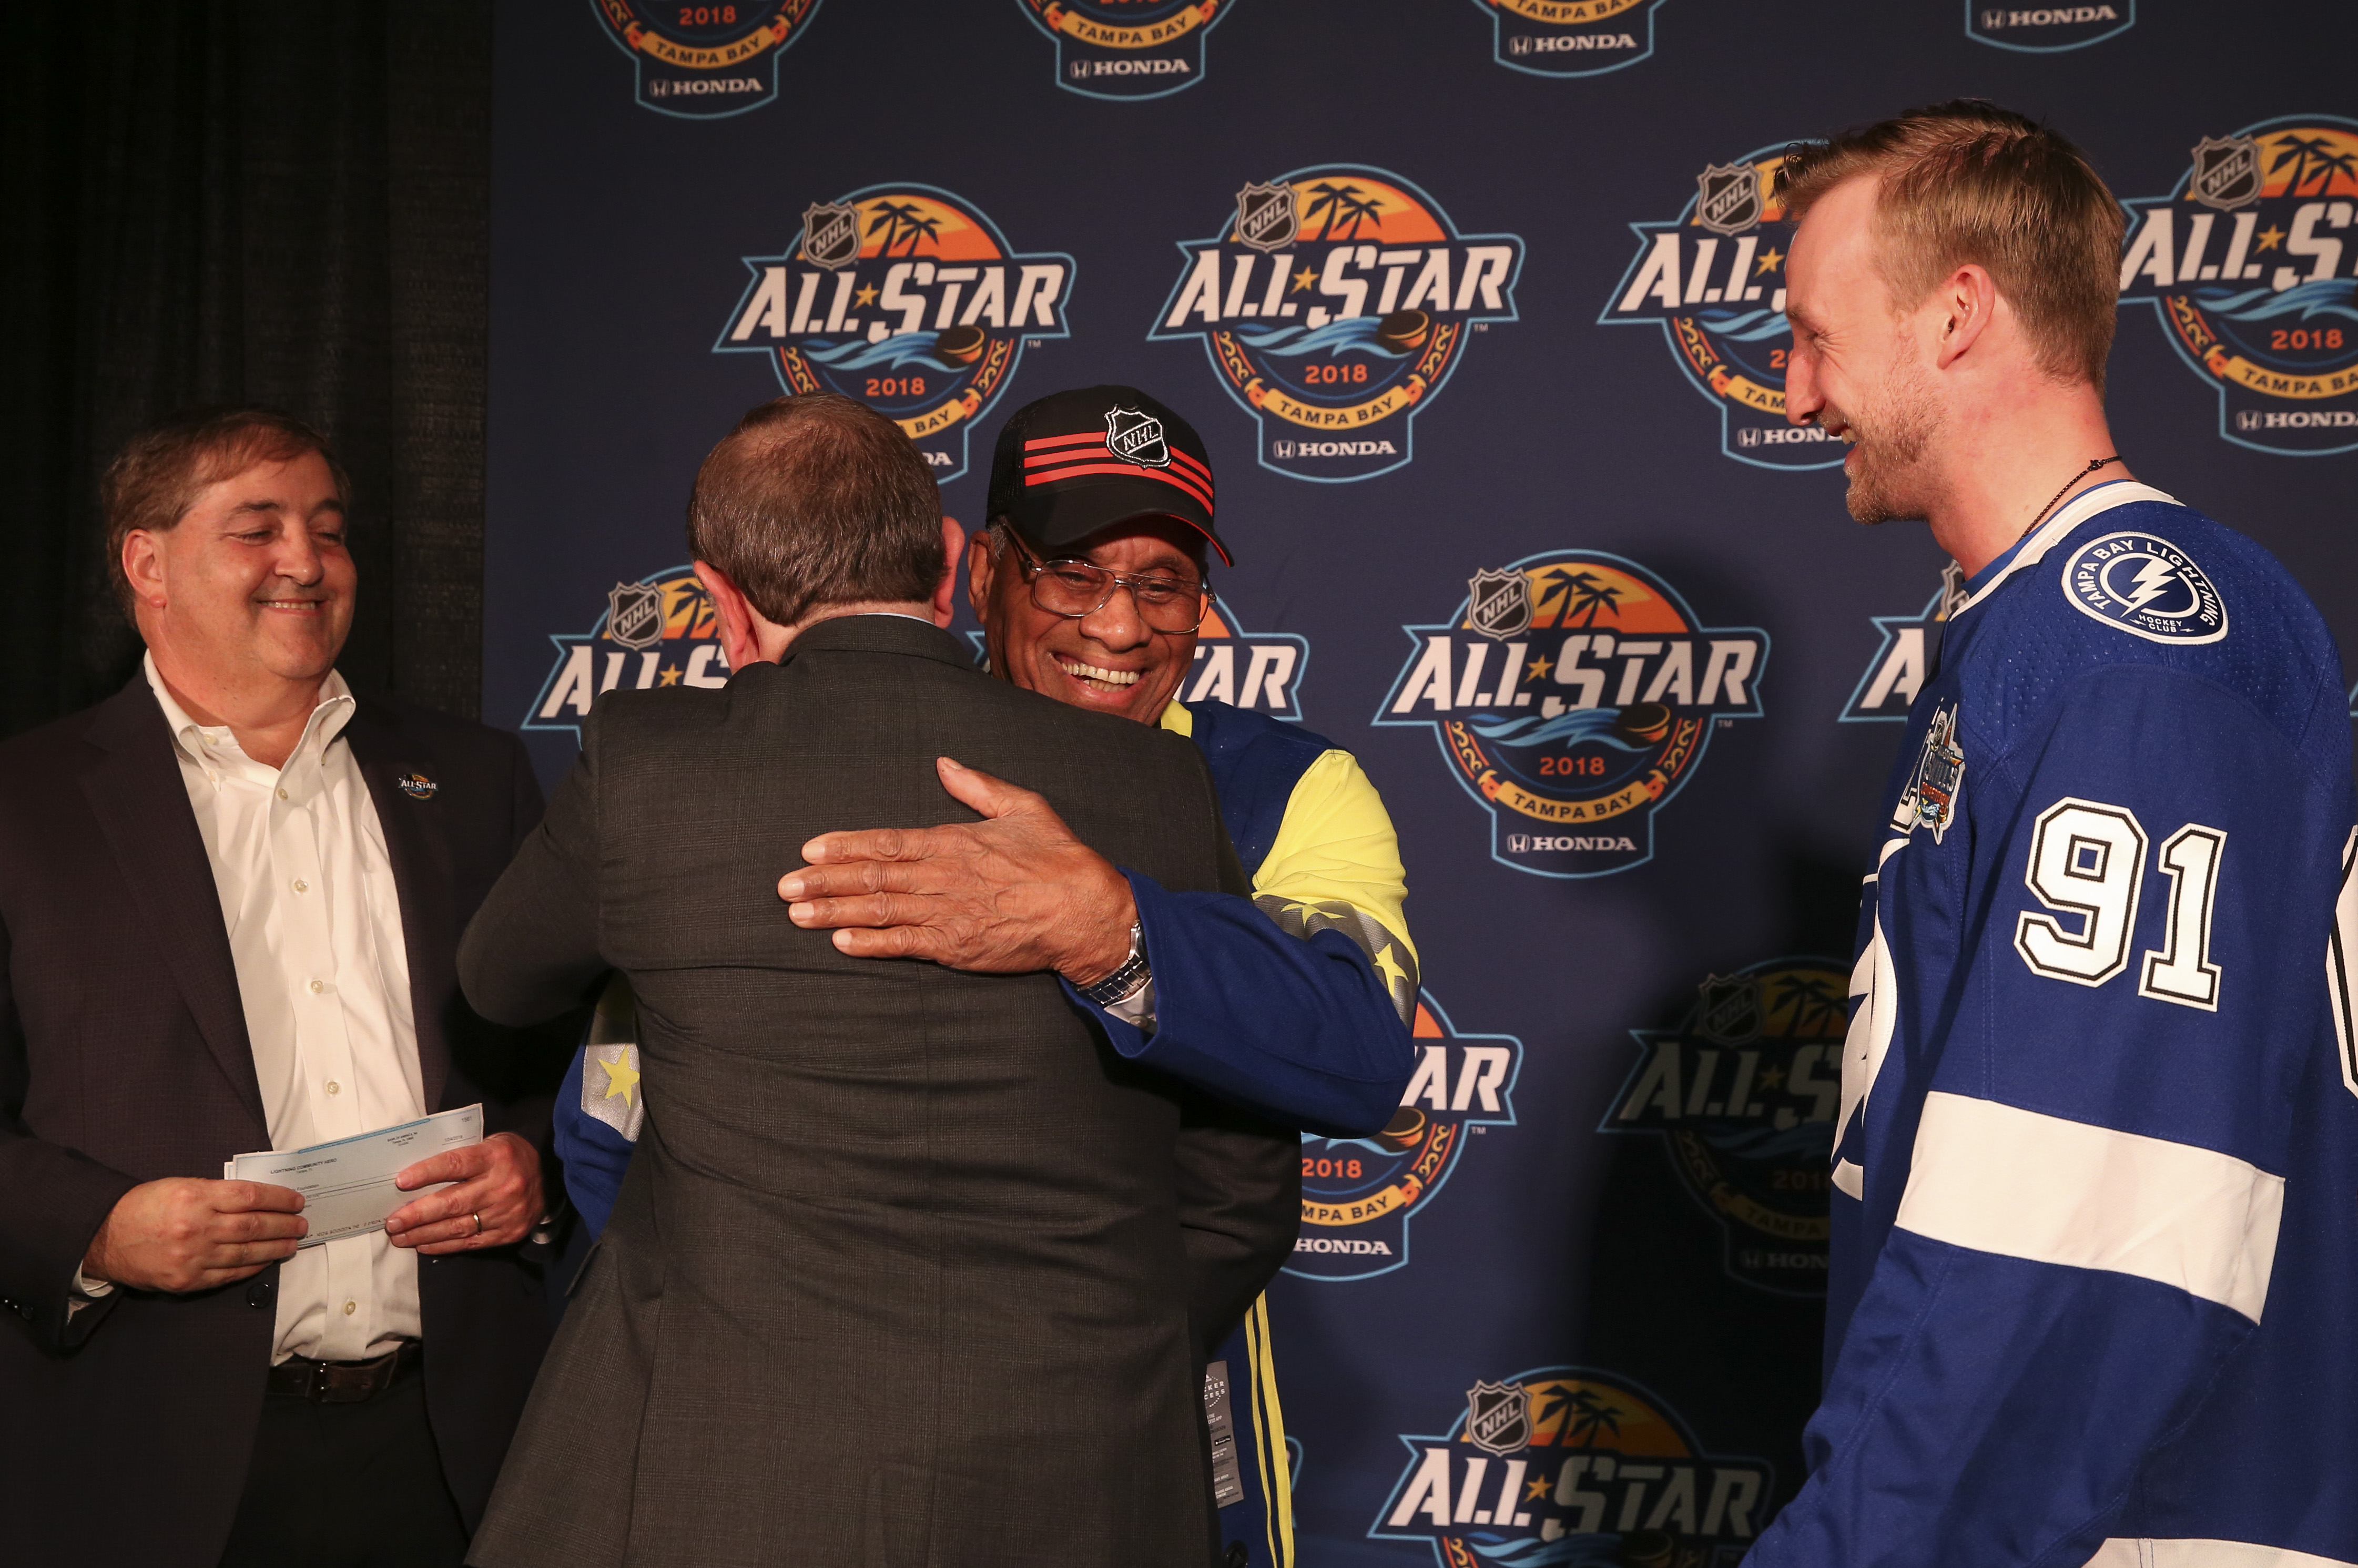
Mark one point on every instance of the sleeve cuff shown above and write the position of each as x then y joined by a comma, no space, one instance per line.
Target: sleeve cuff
1130,1023
88,1289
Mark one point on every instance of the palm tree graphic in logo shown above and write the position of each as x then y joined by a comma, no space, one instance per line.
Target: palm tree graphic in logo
1340,210
1590,1414
1816,1007
1590,598
903,222
2313,156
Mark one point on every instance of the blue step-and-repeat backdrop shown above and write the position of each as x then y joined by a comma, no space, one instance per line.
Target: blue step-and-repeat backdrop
1477,304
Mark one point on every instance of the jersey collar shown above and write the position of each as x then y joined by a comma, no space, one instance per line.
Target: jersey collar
2032,548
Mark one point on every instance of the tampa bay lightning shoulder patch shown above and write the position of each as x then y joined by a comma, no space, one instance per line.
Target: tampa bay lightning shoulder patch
2143,585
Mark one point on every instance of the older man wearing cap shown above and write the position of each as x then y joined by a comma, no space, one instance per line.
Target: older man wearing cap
1090,583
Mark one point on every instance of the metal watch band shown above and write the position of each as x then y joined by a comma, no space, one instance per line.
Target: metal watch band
1125,981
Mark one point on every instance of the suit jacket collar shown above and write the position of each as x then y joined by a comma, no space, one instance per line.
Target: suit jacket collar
403,782
143,808
880,634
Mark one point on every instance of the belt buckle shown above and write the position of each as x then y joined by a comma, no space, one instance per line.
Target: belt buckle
354,1382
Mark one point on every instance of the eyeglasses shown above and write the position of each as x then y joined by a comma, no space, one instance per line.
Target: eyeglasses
1075,589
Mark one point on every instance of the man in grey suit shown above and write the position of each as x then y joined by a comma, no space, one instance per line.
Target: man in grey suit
911,1266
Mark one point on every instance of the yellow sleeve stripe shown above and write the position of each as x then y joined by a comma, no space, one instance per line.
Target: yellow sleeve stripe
1336,843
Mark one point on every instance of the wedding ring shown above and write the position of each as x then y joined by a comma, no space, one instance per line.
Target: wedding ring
479,1222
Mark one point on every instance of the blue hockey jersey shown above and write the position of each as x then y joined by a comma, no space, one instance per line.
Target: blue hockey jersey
2094,1288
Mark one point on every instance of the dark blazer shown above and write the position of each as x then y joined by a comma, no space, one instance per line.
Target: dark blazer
904,1267
125,1433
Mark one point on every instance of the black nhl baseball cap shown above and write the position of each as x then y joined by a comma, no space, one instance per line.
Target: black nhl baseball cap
1075,462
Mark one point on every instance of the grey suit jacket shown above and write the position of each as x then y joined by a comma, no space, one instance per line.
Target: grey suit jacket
911,1268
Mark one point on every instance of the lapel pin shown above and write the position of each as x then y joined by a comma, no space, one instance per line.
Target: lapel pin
417,786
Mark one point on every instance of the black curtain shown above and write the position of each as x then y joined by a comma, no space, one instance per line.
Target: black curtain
234,202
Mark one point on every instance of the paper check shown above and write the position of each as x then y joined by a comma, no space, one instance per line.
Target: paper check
347,1185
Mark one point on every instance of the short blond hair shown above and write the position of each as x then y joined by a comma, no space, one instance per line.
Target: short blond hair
1970,182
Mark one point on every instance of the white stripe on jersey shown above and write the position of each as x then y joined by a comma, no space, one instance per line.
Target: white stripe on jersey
1998,1179
1874,985
2078,510
2123,1553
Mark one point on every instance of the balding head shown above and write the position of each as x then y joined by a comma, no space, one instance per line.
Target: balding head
817,499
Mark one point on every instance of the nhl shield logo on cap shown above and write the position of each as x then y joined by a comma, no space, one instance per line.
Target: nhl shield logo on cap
1267,219
1498,1416
634,614
1501,602
831,233
1136,435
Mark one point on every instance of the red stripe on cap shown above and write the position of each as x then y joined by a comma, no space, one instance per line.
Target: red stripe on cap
1097,459
1199,470
1097,436
1080,455
1063,463
1174,481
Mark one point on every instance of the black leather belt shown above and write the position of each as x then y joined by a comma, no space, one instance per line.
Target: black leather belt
343,1382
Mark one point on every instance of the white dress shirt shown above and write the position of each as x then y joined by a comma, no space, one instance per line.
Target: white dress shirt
314,921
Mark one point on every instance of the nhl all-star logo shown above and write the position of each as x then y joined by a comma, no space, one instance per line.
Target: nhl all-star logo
1903,659
1500,604
1931,799
2251,265
1730,1009
1267,216
1334,305
2143,585
908,299
1498,1417
1728,198
1570,38
1136,436
1128,48
2226,172
634,617
1742,1092
2045,28
830,234
1360,1195
1713,280
1575,710
1572,1465
704,62
660,631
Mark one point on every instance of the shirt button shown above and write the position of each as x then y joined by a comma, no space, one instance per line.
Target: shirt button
319,985
302,886
282,792
351,1307
334,1087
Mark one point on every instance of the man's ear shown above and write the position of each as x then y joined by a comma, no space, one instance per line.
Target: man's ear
945,590
980,571
740,623
1965,301
142,564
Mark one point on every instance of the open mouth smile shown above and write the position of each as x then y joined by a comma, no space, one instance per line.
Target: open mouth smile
1096,678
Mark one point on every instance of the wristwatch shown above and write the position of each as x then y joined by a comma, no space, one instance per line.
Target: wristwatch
1125,981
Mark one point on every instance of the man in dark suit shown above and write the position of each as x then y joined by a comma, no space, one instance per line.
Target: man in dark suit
229,901
911,1266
